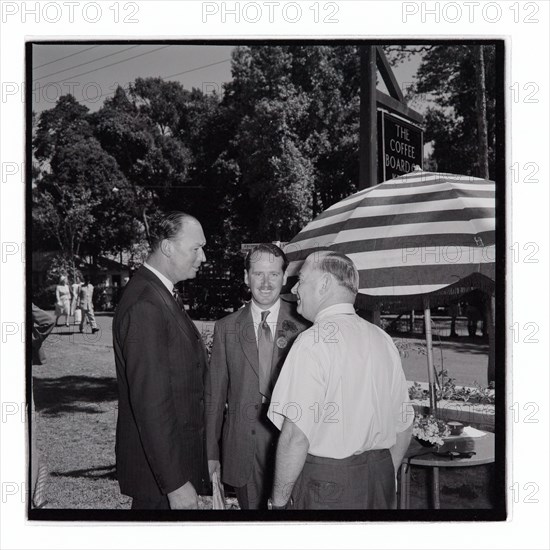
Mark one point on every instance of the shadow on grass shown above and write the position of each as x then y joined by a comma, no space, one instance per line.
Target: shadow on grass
475,349
70,394
101,472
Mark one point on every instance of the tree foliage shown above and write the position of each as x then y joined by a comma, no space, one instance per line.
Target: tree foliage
256,163
448,75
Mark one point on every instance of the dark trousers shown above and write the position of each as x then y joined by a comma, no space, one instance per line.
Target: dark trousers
365,481
160,503
254,495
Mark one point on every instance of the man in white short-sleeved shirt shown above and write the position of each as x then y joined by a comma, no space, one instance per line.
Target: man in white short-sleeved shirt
341,400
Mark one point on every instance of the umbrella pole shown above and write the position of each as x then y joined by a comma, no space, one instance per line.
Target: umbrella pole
490,328
430,356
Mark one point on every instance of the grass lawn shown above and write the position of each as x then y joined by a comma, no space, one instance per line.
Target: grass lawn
76,402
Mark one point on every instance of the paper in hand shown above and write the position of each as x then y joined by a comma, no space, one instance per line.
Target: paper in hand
218,495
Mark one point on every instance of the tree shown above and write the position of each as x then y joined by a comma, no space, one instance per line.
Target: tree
481,105
448,75
57,126
296,113
78,201
77,197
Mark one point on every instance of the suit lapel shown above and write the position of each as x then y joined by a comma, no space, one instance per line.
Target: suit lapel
278,330
247,337
284,315
181,317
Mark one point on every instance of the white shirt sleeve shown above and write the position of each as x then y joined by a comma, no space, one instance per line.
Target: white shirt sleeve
301,388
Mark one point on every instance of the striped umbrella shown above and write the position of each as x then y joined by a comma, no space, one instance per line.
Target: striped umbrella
415,240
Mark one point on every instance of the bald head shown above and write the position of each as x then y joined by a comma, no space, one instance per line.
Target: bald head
326,278
339,266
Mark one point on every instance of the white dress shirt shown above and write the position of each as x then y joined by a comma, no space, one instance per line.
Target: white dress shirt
163,279
343,385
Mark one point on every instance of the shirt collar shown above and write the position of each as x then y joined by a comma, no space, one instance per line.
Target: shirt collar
345,309
257,312
163,279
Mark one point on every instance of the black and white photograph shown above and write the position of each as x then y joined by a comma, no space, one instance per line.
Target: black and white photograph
265,280
274,274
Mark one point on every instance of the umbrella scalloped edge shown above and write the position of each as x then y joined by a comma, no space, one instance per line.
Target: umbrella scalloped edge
443,296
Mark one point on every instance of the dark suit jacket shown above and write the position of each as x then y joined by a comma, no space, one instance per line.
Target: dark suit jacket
160,363
233,379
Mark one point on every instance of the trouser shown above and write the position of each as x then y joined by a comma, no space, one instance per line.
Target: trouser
254,494
364,481
88,314
159,503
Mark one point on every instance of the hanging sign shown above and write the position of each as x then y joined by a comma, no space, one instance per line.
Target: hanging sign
400,146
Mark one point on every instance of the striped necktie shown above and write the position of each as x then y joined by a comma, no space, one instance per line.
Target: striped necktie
265,354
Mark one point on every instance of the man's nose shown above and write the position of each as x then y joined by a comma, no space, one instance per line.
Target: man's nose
203,256
294,289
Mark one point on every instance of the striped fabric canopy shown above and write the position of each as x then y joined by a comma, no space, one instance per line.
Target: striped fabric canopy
409,237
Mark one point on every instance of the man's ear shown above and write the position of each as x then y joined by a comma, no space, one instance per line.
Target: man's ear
246,277
325,283
284,278
166,247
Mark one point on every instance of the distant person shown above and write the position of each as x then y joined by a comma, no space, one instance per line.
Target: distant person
75,300
62,300
160,362
248,352
339,401
86,305
474,316
454,310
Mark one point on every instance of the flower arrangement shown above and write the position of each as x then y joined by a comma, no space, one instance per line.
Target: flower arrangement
428,428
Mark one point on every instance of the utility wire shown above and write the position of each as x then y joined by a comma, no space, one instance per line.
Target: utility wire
109,65
86,63
177,74
61,58
197,68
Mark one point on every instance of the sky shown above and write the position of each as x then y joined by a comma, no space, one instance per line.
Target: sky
91,72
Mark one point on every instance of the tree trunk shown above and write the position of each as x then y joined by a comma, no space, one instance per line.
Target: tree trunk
483,149
146,224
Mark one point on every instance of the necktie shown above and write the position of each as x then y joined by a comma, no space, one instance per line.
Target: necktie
179,301
178,298
265,353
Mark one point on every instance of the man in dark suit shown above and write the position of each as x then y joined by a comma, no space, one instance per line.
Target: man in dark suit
248,352
160,362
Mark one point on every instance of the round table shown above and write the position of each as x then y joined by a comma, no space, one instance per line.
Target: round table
417,455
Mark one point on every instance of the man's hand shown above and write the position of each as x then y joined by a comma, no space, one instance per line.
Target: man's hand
184,498
213,466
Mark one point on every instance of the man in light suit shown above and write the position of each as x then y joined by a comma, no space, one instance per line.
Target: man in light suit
86,304
160,362
248,352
